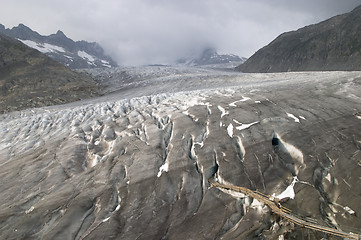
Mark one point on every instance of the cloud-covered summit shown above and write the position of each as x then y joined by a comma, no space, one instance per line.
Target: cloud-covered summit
140,31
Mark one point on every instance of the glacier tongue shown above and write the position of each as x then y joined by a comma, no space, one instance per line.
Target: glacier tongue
136,165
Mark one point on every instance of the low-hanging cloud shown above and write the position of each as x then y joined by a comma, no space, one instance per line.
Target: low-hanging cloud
160,31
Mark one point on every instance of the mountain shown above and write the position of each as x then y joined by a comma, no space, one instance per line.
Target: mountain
209,56
334,44
80,54
29,78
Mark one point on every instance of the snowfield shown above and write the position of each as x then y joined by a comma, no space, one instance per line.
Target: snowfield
42,47
135,163
91,60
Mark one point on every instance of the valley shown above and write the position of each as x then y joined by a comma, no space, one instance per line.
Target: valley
135,162
183,126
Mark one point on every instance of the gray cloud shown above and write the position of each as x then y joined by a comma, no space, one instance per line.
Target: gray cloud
160,31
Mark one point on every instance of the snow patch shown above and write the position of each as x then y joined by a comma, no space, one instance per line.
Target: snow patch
290,115
163,168
86,56
230,130
233,104
117,208
223,111
42,47
95,161
245,125
234,120
328,177
349,210
29,210
70,58
119,201
244,99
106,63
289,192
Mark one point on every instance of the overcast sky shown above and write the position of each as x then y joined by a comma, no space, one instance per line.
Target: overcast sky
160,31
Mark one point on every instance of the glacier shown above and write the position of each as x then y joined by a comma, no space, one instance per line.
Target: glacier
135,163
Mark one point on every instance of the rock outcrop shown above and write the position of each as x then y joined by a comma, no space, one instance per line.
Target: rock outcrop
29,78
209,56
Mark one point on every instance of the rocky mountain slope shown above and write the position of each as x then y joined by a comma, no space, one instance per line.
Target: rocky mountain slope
62,49
210,57
138,168
334,44
29,78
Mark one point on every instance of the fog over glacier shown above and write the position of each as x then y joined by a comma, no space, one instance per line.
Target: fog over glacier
135,163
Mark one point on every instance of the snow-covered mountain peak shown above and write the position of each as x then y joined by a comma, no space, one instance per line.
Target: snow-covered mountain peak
80,54
211,57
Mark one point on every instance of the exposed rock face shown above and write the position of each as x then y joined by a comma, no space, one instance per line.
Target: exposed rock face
138,168
62,49
334,44
29,78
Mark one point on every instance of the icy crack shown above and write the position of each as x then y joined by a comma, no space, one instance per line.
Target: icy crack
241,151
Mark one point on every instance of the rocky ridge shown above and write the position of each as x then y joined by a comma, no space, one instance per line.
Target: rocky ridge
59,47
334,44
